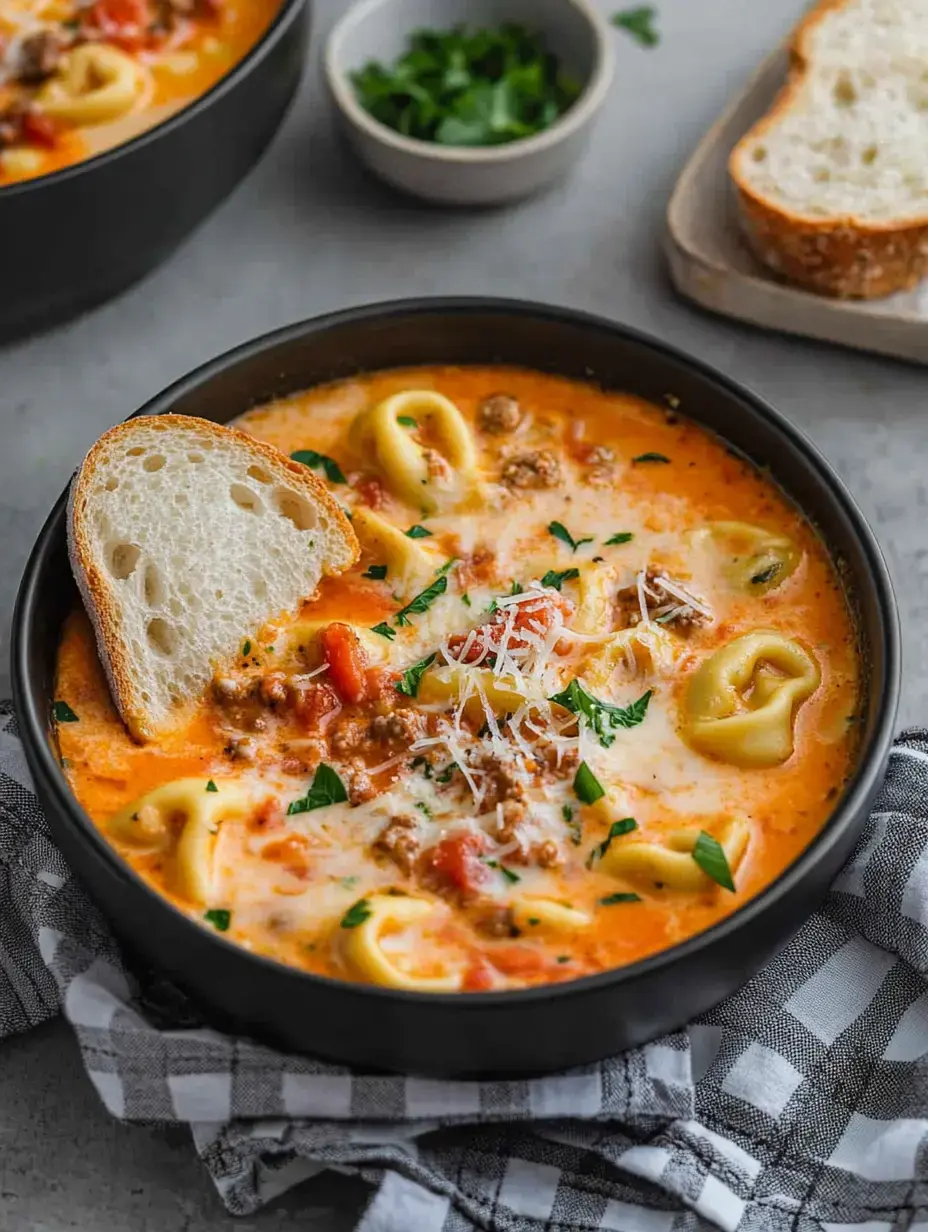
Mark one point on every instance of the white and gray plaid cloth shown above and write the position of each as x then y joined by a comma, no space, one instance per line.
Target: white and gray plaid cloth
800,1103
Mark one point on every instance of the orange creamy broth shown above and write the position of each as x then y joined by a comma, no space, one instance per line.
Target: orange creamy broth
787,804
182,68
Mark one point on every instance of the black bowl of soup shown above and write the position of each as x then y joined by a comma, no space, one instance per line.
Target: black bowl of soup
569,754
123,124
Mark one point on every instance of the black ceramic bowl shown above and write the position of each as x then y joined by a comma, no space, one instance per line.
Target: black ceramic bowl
483,1033
81,235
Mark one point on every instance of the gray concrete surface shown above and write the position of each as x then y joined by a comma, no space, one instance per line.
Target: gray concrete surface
310,232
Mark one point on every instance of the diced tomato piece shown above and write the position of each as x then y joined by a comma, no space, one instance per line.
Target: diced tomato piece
311,705
347,662
518,959
454,864
370,490
123,22
479,975
534,616
39,129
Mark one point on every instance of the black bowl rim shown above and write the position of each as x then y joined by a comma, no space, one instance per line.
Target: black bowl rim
857,793
286,13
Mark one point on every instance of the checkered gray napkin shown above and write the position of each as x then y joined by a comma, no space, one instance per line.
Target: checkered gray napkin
799,1103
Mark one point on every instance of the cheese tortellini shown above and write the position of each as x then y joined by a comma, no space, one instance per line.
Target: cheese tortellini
758,560
449,683
670,863
96,83
742,701
363,950
596,589
432,480
410,566
531,913
184,815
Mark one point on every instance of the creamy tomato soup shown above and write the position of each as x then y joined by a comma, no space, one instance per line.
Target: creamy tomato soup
590,688
77,78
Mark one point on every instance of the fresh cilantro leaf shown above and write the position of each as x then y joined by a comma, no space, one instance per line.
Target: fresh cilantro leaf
587,787
246,649
325,789
418,532
376,573
219,917
651,457
211,786
555,579
423,601
411,677
616,830
560,531
356,914
384,630
63,713
611,899
600,716
407,421
510,876
320,461
639,23
709,854
465,87
465,599
624,536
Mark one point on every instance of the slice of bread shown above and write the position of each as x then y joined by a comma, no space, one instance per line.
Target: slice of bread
833,182
185,538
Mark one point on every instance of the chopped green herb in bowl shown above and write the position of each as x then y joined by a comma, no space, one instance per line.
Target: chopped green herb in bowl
466,87
489,106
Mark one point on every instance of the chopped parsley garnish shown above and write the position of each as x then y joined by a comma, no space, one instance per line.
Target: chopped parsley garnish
320,461
622,897
423,601
600,716
572,824
651,457
533,920
348,883
587,787
246,649
269,649
376,573
766,575
424,809
624,536
211,786
560,531
63,713
562,958
510,876
423,764
411,677
557,580
447,773
418,532
616,830
219,917
384,630
709,854
468,87
326,788
639,23
407,421
356,914
515,589
465,599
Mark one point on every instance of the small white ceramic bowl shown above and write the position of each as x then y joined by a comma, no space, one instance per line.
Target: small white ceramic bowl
455,175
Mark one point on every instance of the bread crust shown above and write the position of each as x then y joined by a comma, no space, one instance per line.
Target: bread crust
842,257
91,582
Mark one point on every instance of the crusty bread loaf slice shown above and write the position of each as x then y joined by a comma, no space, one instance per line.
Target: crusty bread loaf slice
833,181
185,538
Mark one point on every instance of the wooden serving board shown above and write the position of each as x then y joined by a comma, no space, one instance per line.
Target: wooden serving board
711,263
